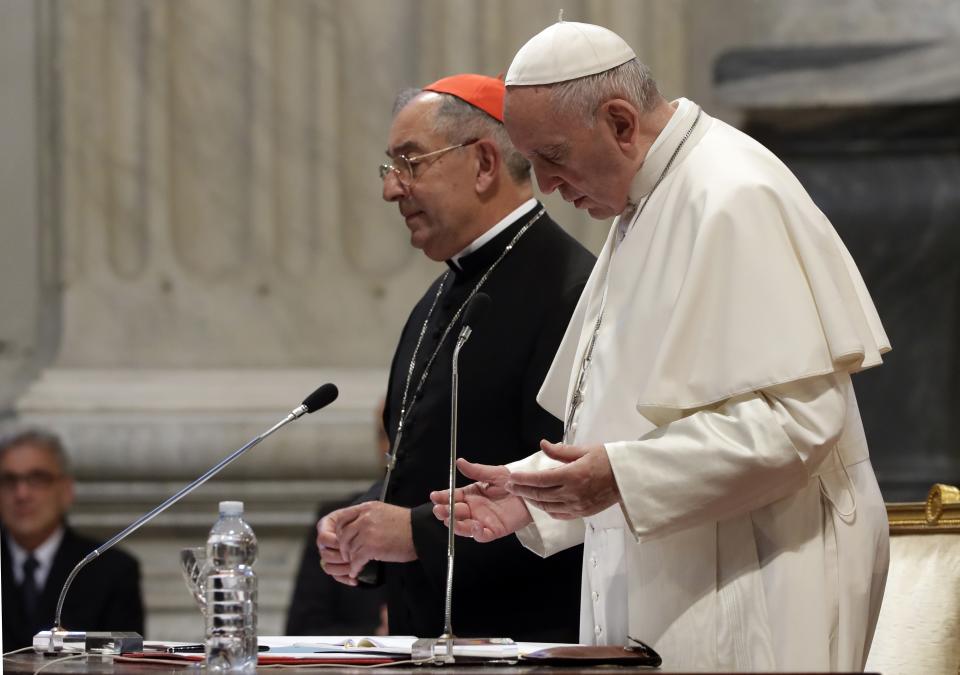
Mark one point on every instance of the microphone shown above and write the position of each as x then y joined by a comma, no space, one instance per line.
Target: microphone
57,639
441,649
476,309
324,395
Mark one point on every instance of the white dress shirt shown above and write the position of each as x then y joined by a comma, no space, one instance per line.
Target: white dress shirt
43,554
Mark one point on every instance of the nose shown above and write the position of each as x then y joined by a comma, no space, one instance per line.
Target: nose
547,180
21,490
393,189
548,183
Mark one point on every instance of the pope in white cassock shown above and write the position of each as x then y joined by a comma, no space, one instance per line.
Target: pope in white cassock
714,463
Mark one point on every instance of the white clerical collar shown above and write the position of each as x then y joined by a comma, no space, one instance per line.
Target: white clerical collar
666,143
44,554
683,105
509,220
655,163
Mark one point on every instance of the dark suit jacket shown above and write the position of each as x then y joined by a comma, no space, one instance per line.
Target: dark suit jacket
500,588
322,606
104,596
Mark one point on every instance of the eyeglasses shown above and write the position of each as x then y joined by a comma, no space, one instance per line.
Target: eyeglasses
35,480
404,168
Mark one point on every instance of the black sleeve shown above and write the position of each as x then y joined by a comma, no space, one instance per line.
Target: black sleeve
371,495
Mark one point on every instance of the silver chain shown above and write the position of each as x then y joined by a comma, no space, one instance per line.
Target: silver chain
404,411
578,396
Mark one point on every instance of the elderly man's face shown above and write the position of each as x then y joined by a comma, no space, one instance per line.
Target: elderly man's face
439,201
34,494
584,164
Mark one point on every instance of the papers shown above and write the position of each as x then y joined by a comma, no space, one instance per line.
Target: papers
274,649
345,649
349,647
399,644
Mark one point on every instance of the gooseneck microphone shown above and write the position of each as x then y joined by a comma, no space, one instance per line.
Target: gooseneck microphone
476,310
57,639
441,649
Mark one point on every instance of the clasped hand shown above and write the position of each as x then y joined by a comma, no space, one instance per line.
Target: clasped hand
351,537
494,507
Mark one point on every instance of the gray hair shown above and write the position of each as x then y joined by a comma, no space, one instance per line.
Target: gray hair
37,438
458,121
631,81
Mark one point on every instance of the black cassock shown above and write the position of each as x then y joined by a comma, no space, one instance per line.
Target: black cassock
500,588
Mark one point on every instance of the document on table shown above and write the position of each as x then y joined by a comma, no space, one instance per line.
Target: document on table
347,646
358,646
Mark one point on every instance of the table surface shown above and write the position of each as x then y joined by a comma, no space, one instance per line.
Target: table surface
29,662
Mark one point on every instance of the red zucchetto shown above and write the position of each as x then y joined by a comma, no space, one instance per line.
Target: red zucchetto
480,91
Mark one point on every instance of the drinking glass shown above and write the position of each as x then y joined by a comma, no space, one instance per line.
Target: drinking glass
193,564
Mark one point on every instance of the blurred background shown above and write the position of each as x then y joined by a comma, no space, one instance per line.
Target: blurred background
192,236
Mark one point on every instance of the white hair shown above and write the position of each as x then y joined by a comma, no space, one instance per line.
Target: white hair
37,438
631,81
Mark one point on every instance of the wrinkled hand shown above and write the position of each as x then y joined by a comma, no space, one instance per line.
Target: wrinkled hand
349,538
584,486
331,561
483,510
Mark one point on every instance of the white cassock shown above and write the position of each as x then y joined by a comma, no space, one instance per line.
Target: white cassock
750,533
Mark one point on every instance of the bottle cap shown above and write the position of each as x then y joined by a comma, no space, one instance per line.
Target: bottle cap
231,508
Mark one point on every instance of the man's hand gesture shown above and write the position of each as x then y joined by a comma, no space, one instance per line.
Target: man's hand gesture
583,486
483,510
349,538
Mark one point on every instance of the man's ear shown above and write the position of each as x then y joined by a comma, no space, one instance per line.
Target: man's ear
623,121
487,163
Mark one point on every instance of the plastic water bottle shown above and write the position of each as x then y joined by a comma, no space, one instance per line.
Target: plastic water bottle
231,612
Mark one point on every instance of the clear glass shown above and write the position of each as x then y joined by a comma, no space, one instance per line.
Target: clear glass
193,564
405,167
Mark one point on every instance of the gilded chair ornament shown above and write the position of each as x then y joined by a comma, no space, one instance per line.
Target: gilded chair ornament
940,500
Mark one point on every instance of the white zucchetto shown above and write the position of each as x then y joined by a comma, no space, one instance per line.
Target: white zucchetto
565,51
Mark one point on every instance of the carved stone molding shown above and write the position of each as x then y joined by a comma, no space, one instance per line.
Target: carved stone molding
118,423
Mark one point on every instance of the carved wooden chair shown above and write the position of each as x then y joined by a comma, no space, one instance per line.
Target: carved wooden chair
919,626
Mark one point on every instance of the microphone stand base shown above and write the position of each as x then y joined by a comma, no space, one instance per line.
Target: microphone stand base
59,641
450,649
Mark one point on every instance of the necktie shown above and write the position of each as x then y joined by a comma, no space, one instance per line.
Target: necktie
29,589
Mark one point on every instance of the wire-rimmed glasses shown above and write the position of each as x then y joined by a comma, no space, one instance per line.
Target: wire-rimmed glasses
404,168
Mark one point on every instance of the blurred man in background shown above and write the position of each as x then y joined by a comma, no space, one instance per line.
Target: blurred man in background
39,550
